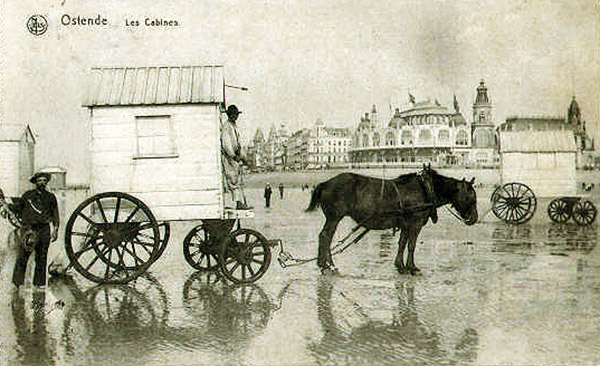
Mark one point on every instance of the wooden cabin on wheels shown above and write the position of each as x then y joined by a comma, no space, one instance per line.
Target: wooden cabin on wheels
154,133
538,160
155,152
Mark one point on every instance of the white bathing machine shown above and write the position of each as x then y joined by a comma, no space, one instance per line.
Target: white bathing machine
154,138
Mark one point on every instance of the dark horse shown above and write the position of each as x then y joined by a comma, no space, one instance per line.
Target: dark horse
404,203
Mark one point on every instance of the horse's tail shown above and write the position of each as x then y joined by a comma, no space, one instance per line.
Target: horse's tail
315,199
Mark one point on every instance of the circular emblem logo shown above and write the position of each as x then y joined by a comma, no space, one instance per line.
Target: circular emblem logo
37,25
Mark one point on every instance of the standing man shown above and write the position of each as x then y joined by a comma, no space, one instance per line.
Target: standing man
268,193
39,210
232,158
281,190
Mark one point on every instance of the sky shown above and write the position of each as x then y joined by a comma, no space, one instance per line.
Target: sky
305,60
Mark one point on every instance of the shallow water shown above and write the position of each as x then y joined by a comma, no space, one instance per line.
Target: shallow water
487,294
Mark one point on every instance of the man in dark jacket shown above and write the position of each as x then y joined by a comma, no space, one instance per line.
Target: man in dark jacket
268,192
39,210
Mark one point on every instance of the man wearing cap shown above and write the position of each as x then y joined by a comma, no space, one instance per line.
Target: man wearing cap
39,210
232,157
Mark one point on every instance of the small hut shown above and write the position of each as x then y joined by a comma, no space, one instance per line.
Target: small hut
17,147
155,133
544,160
59,177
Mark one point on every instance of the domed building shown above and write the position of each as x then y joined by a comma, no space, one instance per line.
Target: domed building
426,132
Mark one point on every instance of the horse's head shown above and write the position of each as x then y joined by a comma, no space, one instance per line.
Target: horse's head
464,201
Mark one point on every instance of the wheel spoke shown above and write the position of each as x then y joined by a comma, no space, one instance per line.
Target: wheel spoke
144,245
87,268
85,235
90,221
233,268
107,266
101,209
135,257
91,245
117,208
132,214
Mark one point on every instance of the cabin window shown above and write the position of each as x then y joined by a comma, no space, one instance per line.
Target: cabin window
155,137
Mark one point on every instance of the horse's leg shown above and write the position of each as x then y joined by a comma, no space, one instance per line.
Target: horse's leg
324,259
413,234
399,262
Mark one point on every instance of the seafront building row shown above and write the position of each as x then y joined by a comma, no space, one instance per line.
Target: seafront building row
420,132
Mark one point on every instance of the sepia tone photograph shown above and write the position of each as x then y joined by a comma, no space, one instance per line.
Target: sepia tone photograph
299,182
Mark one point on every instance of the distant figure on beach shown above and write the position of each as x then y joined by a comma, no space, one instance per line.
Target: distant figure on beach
268,193
281,190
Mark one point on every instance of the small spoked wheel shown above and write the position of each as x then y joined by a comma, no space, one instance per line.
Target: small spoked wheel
584,212
559,211
245,256
515,203
112,237
200,249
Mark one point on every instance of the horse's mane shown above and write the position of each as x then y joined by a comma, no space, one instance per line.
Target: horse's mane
406,177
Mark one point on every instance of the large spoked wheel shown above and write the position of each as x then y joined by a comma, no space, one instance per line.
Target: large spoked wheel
584,212
559,211
245,256
200,249
164,235
112,237
515,203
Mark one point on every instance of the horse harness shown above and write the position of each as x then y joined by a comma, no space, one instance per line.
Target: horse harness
431,202
285,259
427,183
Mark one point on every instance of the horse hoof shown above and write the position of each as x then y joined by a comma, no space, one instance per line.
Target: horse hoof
329,271
414,271
402,270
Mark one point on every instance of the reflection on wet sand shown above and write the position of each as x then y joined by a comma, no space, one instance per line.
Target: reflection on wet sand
404,340
567,237
34,345
127,322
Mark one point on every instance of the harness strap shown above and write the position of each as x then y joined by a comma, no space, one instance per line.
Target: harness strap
427,184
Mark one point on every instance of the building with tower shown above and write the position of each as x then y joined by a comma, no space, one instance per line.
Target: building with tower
583,142
484,143
428,132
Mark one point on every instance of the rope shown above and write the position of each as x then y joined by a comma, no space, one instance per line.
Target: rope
286,259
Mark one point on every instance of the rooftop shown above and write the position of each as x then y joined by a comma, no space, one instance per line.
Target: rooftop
156,85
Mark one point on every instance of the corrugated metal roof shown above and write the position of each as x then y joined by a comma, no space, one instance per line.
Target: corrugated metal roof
122,86
537,141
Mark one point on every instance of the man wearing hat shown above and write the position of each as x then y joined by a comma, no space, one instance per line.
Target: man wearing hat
232,157
39,210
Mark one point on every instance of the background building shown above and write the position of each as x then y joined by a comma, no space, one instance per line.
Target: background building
424,132
309,148
17,145
584,144
484,141
328,146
